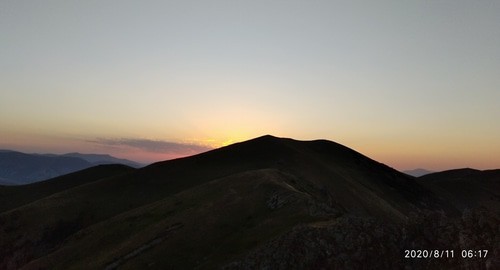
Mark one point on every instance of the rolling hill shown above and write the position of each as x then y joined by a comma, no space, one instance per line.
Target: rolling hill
269,202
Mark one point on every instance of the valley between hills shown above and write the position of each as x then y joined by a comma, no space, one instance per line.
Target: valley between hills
266,203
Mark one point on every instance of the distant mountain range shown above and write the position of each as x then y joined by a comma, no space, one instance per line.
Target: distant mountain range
18,168
267,203
418,172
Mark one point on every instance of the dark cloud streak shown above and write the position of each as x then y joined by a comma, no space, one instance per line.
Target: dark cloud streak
155,146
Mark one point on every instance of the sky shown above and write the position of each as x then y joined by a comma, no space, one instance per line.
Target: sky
408,83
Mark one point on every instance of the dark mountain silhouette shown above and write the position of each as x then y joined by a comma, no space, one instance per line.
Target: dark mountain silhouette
14,196
6,182
18,168
466,188
418,172
101,159
267,203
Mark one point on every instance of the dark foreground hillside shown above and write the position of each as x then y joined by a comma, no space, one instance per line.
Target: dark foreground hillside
268,203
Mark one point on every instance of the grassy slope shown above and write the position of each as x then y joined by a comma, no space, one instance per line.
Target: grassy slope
116,216
199,227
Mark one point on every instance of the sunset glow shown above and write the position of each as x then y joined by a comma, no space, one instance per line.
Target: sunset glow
411,84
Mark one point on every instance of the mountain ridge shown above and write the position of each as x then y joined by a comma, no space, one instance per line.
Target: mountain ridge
418,172
224,207
17,168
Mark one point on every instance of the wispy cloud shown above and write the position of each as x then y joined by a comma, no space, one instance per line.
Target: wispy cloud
155,146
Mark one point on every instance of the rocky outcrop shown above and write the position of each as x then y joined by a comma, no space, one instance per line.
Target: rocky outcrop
366,243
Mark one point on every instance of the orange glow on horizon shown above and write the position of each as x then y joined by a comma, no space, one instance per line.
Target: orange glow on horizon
399,154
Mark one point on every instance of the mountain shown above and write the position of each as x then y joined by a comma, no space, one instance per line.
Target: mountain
18,168
417,172
6,182
100,159
466,188
15,196
267,203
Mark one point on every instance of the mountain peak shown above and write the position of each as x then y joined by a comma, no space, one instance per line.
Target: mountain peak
266,137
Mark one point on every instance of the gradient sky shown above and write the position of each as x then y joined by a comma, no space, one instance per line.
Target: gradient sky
408,83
